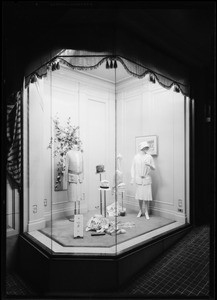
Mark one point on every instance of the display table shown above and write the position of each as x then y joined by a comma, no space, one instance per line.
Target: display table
104,194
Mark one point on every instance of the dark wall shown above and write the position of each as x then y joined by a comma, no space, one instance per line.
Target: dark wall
204,152
30,30
11,253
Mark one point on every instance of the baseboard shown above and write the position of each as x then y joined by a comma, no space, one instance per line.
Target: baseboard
133,206
62,213
169,214
36,225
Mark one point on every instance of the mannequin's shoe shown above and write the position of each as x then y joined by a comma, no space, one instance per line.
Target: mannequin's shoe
71,219
139,214
146,215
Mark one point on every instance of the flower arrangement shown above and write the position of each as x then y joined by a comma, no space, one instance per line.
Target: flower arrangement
66,138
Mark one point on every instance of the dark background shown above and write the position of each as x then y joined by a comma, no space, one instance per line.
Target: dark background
184,31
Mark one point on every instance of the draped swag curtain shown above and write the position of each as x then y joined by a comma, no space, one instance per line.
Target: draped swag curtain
84,60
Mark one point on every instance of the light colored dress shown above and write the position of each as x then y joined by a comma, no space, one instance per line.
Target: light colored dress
140,175
74,174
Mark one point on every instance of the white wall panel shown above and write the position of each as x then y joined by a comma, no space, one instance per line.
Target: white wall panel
36,166
89,104
147,110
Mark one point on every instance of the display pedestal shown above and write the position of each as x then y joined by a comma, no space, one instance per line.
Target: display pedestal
103,192
123,212
78,226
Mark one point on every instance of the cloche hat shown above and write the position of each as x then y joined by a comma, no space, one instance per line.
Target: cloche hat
143,145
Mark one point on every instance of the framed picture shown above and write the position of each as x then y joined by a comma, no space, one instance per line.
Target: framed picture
152,142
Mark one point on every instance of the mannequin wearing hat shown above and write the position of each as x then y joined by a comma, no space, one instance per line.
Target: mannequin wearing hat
75,175
142,164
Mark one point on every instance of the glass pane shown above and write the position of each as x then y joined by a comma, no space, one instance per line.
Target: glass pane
108,160
36,164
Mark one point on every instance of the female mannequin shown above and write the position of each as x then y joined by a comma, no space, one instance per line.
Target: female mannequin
141,166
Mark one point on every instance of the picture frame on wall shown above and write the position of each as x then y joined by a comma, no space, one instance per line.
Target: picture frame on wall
152,141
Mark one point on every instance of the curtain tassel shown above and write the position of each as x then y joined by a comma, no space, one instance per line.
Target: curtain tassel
107,64
111,65
57,65
33,78
115,64
53,68
176,89
152,78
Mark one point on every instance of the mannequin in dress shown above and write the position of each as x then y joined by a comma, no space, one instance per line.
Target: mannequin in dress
142,164
75,175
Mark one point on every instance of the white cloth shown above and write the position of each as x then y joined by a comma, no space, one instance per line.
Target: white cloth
114,209
140,170
141,167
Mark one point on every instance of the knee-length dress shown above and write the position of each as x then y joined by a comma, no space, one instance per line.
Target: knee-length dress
140,175
75,174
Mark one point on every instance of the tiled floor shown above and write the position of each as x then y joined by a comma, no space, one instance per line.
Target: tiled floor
183,270
15,286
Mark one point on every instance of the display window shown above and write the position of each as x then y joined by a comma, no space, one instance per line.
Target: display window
106,158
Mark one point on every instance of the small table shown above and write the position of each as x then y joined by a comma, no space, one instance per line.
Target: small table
105,191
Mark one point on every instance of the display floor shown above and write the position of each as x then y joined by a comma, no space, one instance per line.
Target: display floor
62,231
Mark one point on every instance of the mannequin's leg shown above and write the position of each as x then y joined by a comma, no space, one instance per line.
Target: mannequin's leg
146,210
140,208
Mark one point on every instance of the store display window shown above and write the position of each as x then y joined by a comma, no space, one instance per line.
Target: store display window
105,155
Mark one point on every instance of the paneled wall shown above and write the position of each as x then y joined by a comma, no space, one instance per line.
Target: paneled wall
36,153
90,103
147,109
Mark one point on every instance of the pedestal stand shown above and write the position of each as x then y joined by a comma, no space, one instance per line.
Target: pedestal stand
122,212
79,205
78,226
101,193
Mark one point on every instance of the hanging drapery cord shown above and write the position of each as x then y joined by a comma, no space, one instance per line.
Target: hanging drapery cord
49,63
120,58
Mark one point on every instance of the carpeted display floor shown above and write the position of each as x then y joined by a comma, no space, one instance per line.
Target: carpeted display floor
62,231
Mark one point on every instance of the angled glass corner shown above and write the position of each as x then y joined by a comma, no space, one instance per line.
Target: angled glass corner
106,161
